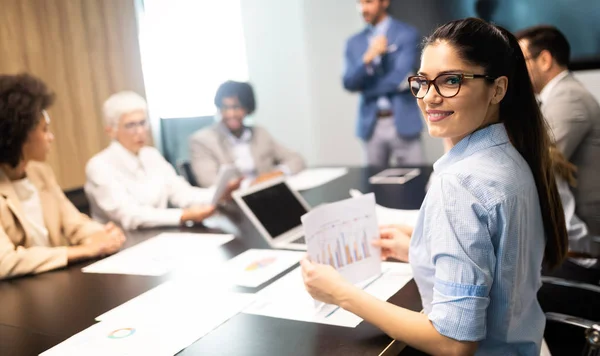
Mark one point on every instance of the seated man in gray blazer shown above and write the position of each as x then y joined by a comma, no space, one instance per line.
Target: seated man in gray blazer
251,149
573,114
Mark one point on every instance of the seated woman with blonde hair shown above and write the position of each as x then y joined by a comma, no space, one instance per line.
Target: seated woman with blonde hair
40,230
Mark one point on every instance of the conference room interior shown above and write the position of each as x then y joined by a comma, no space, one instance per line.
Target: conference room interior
175,54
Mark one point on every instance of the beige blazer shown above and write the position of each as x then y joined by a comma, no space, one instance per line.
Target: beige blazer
65,225
573,115
210,148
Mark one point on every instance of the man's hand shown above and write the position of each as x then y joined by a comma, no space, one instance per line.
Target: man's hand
267,176
377,47
197,213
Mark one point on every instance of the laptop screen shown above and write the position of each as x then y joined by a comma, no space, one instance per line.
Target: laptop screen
276,208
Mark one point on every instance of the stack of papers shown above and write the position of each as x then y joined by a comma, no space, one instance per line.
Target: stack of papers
287,298
162,321
160,254
314,177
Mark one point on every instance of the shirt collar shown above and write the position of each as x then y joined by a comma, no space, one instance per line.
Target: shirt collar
244,138
489,136
126,156
381,28
545,93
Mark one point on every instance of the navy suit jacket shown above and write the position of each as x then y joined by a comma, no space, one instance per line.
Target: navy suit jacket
388,78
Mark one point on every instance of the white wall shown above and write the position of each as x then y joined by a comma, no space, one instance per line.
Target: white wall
591,79
295,53
278,70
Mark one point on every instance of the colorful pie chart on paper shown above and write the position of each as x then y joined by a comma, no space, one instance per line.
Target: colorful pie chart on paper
121,333
262,263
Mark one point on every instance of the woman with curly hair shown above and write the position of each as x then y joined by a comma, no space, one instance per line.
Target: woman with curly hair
40,230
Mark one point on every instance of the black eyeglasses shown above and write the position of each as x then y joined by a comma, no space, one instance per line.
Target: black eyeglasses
447,84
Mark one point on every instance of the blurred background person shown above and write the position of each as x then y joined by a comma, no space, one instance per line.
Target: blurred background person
378,61
40,230
131,183
251,149
571,111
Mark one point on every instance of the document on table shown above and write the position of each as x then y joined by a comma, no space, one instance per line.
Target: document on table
174,298
314,177
255,267
387,216
160,254
156,326
340,234
287,298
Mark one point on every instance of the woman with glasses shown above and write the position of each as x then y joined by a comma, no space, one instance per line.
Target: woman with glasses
492,215
131,183
251,149
40,230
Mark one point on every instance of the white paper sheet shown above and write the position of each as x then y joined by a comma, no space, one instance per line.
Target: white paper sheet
155,332
226,174
160,254
314,177
255,267
340,234
389,216
172,298
287,298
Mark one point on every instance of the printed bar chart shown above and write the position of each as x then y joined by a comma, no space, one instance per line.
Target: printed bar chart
340,235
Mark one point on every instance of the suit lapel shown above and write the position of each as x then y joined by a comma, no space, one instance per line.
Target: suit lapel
363,43
49,209
392,46
255,151
14,203
225,145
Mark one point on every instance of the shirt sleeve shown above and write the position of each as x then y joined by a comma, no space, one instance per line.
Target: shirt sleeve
464,259
18,260
181,193
108,195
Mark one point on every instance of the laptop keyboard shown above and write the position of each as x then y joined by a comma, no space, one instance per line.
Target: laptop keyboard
299,241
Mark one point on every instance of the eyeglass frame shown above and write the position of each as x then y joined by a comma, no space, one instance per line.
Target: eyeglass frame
133,126
463,76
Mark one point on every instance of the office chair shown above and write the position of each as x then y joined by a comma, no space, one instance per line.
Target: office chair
184,168
570,310
175,133
591,335
78,198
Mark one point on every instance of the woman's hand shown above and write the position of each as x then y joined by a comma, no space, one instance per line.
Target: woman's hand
323,282
394,242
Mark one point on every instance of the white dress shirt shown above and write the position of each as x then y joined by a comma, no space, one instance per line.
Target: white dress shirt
136,190
242,154
32,206
579,238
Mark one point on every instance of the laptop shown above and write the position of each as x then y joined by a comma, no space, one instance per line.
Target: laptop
275,209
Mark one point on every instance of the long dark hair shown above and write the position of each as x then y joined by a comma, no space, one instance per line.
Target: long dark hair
498,52
563,169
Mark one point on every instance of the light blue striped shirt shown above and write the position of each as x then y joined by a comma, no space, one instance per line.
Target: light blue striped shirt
478,246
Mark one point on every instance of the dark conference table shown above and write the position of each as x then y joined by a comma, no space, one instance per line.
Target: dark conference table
41,311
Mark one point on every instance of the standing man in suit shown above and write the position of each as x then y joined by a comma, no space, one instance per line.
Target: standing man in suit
378,61
251,149
573,114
